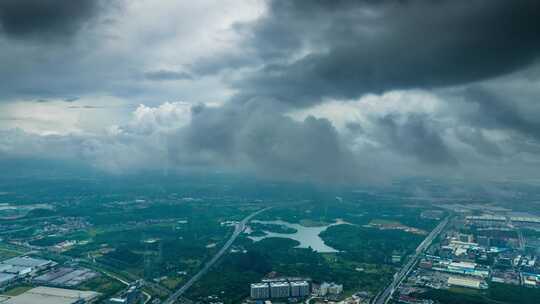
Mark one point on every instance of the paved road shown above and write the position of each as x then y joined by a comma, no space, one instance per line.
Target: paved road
387,293
237,231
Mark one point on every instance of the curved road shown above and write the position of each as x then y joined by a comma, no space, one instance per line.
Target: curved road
237,231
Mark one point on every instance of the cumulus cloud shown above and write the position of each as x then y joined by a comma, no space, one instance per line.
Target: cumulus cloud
355,141
259,138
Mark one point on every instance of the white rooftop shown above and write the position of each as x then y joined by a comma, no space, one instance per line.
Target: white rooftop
279,284
4,277
259,285
48,295
26,262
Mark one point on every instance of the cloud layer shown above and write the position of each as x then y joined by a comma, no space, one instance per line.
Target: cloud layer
46,19
314,50
329,91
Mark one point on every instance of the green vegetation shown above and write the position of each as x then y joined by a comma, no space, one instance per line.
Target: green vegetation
6,253
234,274
154,227
496,294
369,245
17,290
172,282
257,227
102,284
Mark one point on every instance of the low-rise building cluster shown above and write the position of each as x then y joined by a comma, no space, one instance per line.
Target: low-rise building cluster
21,267
476,251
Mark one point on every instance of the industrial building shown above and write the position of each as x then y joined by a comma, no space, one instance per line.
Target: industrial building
48,295
525,219
28,262
6,278
466,282
65,277
466,238
487,220
15,270
531,279
280,289
24,265
299,289
260,291
456,267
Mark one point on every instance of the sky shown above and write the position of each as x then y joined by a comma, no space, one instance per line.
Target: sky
327,91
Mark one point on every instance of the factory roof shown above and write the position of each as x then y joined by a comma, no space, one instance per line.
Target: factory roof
48,295
465,282
463,264
4,277
486,217
27,262
525,219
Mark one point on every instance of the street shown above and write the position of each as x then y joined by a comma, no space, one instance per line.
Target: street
237,231
387,293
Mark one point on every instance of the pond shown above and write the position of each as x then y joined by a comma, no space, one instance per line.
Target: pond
306,236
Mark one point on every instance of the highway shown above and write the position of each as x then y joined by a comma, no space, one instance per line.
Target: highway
237,231
387,293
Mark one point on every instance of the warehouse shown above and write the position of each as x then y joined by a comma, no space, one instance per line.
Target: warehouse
466,282
47,295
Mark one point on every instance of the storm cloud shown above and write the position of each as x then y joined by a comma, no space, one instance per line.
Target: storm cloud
314,50
257,137
414,135
329,91
494,112
45,19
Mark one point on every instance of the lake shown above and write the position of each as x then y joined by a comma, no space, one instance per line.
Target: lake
306,236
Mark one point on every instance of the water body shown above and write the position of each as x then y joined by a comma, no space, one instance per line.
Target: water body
306,236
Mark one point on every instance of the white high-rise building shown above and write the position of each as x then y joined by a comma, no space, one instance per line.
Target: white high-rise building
280,289
299,289
260,291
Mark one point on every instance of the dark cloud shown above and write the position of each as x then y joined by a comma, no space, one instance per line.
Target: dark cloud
258,137
164,75
493,111
45,19
296,55
343,49
479,142
414,135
